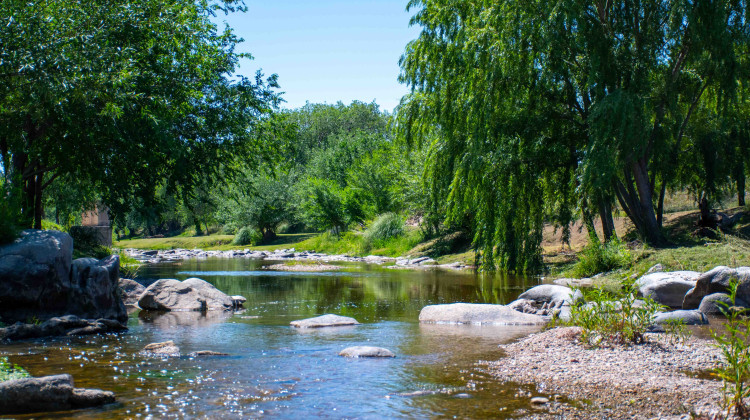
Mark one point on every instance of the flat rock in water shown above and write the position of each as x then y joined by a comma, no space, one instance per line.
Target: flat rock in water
328,320
48,393
688,317
366,351
204,353
667,288
477,313
165,349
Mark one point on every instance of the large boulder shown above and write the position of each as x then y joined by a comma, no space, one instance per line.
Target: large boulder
189,295
131,291
477,313
40,280
717,281
667,288
48,393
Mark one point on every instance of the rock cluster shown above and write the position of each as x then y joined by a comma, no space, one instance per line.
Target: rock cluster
176,255
39,279
48,393
64,325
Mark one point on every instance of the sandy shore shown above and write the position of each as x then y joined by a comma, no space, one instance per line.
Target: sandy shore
654,380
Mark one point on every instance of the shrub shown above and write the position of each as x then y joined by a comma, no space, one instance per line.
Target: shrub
86,243
596,257
247,236
10,371
385,226
9,215
229,229
735,371
607,317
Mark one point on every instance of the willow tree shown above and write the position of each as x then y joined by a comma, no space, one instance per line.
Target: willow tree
533,108
123,96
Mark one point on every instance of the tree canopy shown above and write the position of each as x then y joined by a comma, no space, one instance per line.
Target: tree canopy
124,97
538,110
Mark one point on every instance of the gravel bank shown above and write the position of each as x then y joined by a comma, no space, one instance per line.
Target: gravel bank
654,380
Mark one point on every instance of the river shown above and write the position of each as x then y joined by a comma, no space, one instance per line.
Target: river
278,371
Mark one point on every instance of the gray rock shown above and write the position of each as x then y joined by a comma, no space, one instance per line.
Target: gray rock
215,298
688,317
70,325
327,320
238,301
48,393
477,313
667,288
551,293
717,281
189,295
204,353
39,279
131,291
366,351
164,349
657,268
584,282
539,400
711,304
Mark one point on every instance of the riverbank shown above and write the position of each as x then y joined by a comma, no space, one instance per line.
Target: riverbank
660,379
291,256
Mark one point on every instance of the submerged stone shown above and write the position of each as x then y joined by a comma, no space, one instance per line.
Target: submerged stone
327,320
366,351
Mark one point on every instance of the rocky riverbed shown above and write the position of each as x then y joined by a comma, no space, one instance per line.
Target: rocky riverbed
176,255
659,379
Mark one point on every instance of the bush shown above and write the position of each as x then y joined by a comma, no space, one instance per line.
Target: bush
247,236
385,226
229,229
86,243
614,318
735,371
597,258
10,371
9,215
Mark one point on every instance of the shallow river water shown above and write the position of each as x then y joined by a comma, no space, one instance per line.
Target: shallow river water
278,371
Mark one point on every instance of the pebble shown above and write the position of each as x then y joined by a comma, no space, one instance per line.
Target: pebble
539,400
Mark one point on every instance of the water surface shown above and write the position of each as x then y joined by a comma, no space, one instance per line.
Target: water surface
278,371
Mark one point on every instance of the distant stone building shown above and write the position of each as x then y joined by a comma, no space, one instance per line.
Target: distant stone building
95,224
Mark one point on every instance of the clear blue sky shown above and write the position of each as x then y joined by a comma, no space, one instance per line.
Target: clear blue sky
327,50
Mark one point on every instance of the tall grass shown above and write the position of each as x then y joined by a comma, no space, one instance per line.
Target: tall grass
597,258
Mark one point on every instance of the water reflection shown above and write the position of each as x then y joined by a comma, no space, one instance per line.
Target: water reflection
281,371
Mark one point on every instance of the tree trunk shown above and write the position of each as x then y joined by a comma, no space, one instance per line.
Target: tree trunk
741,188
650,227
38,204
705,210
608,223
660,208
588,221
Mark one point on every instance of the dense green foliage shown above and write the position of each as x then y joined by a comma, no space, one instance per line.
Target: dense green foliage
123,99
247,236
538,110
597,257
384,227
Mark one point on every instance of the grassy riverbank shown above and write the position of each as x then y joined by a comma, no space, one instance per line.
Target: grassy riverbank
688,251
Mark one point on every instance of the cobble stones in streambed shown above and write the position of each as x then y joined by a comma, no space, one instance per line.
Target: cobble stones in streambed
176,255
653,380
